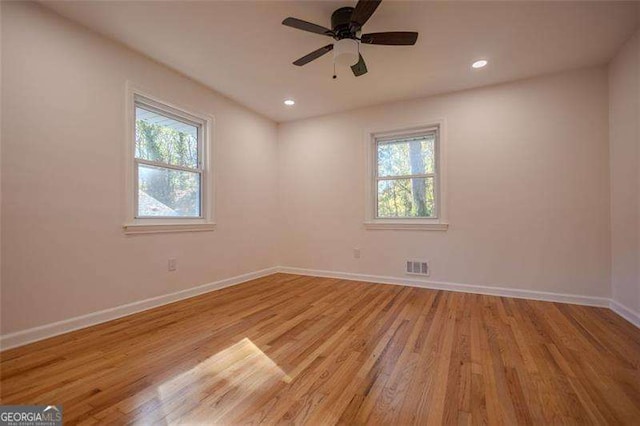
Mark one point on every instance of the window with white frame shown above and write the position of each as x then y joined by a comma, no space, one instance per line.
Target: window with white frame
405,184
170,176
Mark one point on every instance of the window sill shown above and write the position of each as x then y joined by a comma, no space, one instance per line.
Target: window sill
146,228
406,226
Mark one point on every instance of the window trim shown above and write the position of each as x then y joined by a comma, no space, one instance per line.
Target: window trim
205,122
372,138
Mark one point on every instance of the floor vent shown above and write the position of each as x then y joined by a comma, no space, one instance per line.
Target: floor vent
417,267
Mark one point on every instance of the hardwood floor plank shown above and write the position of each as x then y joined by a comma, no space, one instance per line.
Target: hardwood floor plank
304,350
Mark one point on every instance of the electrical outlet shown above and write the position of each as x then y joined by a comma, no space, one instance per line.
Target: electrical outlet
356,253
172,264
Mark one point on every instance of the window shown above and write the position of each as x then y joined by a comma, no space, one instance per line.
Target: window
169,180
404,190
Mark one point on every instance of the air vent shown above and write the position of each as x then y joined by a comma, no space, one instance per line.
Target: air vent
418,267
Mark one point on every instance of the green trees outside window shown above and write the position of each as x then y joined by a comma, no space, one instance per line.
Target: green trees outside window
406,177
168,158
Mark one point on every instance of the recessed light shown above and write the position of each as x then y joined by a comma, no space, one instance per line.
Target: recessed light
479,64
289,102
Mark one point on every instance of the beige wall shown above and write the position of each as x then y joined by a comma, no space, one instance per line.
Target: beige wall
63,205
528,188
528,182
624,116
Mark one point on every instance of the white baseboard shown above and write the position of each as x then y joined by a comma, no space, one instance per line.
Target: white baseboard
30,335
627,313
464,288
23,337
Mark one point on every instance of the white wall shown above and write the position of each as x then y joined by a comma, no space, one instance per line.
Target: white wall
0,166
63,250
528,188
528,182
624,116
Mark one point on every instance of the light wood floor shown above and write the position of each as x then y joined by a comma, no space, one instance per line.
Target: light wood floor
297,349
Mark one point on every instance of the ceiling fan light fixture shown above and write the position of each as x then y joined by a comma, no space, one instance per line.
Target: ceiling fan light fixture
345,52
289,102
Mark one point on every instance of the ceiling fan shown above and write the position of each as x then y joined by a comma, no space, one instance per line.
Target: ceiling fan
346,24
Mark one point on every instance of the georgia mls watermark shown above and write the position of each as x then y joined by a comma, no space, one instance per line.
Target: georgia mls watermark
30,415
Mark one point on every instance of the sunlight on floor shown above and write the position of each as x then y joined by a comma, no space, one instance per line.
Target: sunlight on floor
219,384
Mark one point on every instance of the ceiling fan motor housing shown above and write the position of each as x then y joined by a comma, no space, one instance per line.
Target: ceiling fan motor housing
341,23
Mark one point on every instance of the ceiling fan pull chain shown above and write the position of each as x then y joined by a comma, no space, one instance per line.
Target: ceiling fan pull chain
334,70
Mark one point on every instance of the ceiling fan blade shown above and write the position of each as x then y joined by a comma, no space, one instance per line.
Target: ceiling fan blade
313,55
394,38
363,11
359,68
307,26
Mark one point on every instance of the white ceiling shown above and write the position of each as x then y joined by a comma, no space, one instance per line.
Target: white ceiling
240,48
